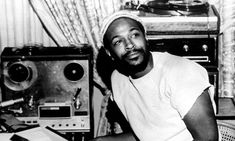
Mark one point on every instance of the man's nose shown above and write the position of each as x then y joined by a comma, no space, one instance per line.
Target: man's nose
129,44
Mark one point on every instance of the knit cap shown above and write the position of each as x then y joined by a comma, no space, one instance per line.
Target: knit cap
119,14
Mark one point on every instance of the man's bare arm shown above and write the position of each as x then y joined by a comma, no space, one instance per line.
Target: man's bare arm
201,121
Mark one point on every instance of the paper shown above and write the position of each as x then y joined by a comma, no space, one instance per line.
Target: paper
34,134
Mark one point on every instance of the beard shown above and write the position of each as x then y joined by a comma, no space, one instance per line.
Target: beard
128,66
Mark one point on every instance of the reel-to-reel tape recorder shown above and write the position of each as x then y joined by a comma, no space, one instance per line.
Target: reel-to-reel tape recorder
54,83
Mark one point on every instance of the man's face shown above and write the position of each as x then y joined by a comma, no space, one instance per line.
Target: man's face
127,42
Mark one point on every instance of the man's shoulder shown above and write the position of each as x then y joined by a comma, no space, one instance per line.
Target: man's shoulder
170,61
166,56
117,75
165,59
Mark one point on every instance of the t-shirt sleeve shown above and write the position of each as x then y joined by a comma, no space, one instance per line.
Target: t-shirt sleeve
187,81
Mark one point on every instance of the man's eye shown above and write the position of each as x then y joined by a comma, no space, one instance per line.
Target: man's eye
116,43
134,35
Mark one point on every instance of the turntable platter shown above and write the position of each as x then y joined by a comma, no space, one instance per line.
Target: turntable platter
173,7
164,5
194,6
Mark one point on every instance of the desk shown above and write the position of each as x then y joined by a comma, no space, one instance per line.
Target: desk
226,108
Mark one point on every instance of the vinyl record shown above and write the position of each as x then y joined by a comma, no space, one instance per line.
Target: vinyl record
160,5
197,6
19,75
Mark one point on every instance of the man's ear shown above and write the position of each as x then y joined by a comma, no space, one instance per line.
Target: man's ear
108,53
147,42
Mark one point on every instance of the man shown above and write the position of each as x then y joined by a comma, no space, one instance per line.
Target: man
162,96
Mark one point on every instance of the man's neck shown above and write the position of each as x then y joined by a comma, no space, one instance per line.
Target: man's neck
147,69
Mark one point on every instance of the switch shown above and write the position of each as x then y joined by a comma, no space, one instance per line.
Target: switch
204,47
186,48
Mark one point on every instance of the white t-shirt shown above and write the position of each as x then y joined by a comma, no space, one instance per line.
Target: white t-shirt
155,104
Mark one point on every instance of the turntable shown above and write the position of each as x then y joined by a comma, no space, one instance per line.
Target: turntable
167,19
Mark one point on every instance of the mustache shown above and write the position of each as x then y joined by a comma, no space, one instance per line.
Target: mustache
129,52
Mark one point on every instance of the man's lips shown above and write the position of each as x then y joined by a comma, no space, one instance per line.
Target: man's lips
132,55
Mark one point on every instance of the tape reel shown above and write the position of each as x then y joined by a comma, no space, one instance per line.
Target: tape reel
19,75
73,71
